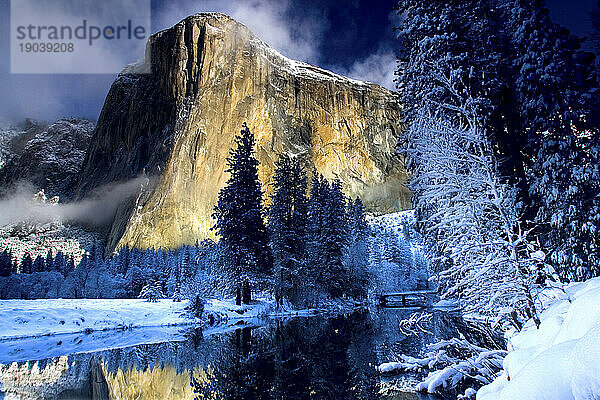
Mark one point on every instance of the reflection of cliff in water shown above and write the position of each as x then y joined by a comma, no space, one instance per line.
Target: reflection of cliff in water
325,358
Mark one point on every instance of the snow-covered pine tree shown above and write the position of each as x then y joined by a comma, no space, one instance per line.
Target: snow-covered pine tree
49,261
174,281
239,212
64,265
460,38
385,273
335,238
565,183
470,218
554,86
315,246
402,256
552,76
326,236
536,90
356,252
122,261
468,43
151,292
286,224
38,264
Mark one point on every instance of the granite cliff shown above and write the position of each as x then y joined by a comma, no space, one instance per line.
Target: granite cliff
174,118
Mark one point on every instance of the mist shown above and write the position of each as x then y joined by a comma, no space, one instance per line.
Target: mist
97,209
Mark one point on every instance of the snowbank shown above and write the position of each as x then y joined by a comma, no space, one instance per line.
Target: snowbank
31,318
561,359
39,329
25,318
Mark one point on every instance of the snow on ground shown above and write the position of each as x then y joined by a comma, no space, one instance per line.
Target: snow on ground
26,318
31,318
395,222
38,329
561,359
50,346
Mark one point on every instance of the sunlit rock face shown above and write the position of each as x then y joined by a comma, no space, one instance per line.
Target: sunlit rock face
208,75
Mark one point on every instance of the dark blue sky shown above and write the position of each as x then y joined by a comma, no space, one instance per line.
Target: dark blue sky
574,14
352,37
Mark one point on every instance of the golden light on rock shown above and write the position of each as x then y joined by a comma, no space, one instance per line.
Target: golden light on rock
161,382
211,74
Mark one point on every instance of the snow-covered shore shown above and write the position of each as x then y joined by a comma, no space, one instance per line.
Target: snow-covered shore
32,318
561,359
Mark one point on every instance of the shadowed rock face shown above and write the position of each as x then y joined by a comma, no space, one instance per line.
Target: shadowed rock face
208,75
47,156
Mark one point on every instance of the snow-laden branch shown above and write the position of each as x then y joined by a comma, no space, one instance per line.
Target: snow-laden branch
470,217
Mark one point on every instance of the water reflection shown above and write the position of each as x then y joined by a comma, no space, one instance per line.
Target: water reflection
317,357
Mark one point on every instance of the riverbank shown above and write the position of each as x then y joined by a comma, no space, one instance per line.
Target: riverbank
33,318
46,317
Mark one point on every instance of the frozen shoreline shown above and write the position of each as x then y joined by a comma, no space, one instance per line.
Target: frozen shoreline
35,318
39,329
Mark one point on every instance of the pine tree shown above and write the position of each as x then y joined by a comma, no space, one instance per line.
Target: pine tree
239,212
49,262
334,235
534,90
455,39
315,246
287,225
6,264
327,237
554,85
356,252
66,265
27,264
61,265
80,275
151,292
38,264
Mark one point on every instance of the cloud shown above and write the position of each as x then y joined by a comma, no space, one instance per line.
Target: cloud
378,68
296,30
296,37
49,96
98,209
83,25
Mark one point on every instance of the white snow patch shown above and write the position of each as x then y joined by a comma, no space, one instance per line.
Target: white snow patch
26,318
33,318
396,222
561,359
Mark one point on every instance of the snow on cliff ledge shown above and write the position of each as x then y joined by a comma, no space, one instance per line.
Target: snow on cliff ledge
561,359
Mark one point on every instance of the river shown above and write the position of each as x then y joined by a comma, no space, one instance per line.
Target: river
319,357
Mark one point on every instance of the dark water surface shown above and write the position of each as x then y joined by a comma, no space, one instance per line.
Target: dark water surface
321,357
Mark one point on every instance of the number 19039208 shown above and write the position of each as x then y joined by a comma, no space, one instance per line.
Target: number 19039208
46,47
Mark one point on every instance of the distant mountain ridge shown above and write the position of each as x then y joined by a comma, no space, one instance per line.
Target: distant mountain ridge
48,156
